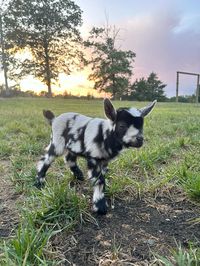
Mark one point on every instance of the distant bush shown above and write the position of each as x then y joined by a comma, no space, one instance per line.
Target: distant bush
184,99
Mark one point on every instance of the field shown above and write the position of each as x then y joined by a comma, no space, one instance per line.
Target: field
153,192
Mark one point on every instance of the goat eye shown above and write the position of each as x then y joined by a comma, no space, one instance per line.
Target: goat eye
122,126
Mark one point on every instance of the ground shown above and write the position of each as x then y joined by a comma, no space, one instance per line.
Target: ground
132,232
8,198
154,192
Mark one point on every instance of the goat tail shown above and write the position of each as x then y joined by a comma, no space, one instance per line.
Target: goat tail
49,116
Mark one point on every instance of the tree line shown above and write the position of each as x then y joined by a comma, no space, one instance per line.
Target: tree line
42,38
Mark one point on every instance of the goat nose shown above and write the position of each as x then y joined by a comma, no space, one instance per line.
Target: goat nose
139,138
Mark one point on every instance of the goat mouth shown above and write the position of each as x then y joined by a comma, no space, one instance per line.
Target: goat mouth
137,144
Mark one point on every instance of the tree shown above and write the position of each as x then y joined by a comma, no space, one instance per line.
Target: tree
4,57
47,29
138,90
148,89
111,66
155,87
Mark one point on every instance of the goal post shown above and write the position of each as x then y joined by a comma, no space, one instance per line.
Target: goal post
177,83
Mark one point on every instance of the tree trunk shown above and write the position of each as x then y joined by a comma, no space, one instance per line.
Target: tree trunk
4,58
113,85
48,73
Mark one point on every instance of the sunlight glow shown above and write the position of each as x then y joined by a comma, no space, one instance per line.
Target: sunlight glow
75,84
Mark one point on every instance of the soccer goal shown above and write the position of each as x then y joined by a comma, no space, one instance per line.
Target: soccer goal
177,83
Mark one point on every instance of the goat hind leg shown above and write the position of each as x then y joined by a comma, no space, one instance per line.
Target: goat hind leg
71,159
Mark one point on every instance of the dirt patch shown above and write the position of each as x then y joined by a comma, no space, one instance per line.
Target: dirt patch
131,232
8,199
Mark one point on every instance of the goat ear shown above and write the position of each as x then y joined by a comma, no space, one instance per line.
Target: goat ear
109,110
147,109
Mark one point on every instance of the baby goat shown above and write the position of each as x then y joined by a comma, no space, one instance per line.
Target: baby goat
98,140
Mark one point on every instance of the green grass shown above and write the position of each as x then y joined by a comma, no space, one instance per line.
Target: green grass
182,257
27,248
46,213
59,205
170,155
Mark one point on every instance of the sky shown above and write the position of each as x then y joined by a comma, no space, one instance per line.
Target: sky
164,34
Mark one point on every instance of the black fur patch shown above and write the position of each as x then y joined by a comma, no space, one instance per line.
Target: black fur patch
112,144
99,137
81,133
65,133
91,163
102,181
74,117
125,117
43,170
51,151
49,115
75,169
39,185
101,206
77,172
71,157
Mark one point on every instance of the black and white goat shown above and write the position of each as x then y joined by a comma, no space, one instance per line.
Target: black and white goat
98,140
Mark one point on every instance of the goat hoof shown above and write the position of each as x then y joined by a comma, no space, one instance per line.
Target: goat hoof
100,207
80,177
39,185
77,173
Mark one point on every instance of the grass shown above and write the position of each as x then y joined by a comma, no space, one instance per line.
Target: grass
59,205
182,257
27,248
170,155
46,213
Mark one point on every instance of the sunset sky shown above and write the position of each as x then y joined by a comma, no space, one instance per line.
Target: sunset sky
164,34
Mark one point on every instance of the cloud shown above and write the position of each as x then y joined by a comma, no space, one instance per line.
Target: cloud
165,41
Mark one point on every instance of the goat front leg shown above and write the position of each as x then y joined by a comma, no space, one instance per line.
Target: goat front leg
98,182
44,164
104,167
71,159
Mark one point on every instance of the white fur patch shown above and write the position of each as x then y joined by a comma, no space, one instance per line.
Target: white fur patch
71,163
98,193
58,127
134,112
107,125
89,174
75,146
48,160
130,134
47,148
95,209
104,170
40,165
42,179
59,145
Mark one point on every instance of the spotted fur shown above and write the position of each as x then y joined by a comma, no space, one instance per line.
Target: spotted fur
98,140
